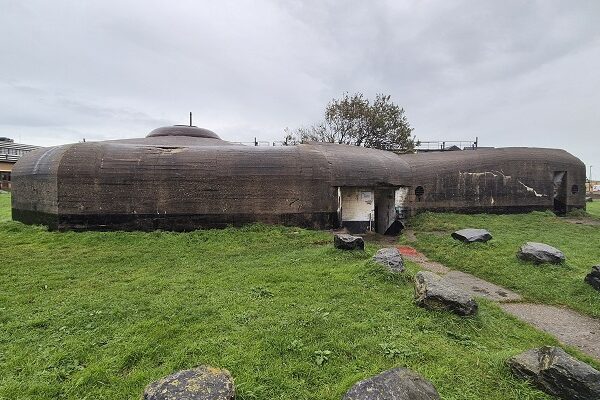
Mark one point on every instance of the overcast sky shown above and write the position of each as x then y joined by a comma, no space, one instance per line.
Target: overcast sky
513,73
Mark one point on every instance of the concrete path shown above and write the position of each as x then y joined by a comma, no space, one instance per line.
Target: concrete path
467,282
568,326
480,288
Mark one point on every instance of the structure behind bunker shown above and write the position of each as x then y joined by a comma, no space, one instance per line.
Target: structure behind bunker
425,146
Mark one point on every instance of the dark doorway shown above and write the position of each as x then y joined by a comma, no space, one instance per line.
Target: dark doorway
560,192
385,211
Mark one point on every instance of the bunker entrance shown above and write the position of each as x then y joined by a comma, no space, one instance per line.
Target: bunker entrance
372,209
560,192
385,212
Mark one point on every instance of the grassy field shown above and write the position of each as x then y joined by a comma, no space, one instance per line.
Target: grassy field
496,260
100,315
594,208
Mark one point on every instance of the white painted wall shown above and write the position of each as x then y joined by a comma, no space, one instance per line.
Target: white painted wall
358,204
401,196
401,202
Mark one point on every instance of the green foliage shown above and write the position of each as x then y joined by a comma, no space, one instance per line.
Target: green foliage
321,357
496,260
391,351
261,292
355,120
99,315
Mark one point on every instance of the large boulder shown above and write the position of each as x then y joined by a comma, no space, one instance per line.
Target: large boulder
593,278
471,235
435,293
557,373
540,253
200,383
344,241
394,384
390,258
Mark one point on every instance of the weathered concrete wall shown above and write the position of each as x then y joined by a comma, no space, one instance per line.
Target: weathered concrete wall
186,187
187,180
35,186
362,167
495,180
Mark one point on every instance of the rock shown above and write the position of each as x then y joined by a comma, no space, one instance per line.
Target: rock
390,258
593,278
540,253
200,383
589,199
435,293
394,384
470,235
557,373
344,241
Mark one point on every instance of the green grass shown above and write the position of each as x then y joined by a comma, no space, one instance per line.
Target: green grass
100,315
593,208
4,207
496,260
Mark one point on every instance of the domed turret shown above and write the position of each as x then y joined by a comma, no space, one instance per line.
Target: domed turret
183,130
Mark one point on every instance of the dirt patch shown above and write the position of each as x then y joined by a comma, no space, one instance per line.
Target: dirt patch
420,258
409,234
379,239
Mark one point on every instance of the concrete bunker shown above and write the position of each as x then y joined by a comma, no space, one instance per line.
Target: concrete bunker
184,178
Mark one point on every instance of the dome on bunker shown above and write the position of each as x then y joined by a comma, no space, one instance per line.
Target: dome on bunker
183,130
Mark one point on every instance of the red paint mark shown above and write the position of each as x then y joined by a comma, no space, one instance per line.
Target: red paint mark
407,251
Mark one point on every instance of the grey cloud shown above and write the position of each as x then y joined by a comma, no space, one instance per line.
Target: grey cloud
510,72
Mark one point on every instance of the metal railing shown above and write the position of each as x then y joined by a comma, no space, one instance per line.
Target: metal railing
423,146
262,143
446,145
